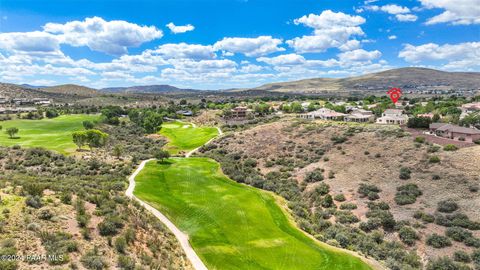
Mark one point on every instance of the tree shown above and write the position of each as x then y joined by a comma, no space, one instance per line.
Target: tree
96,138
118,150
92,137
87,124
162,154
152,122
79,138
51,113
12,131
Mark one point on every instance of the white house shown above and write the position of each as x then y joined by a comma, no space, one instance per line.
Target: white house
360,116
393,116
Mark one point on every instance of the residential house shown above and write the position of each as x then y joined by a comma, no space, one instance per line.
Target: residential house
425,115
239,112
184,112
393,116
455,132
360,116
323,113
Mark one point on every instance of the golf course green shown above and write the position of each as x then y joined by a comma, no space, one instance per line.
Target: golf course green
54,134
185,137
231,225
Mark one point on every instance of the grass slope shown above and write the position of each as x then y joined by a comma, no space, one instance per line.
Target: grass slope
233,226
54,134
184,137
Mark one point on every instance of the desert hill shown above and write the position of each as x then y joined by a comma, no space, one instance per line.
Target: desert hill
406,78
157,89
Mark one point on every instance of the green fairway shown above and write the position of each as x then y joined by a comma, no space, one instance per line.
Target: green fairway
230,225
54,134
184,137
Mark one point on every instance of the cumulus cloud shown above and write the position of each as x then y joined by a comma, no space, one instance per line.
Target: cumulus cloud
392,37
177,29
251,47
454,55
30,42
184,50
112,37
456,12
402,14
283,60
359,55
331,29
406,17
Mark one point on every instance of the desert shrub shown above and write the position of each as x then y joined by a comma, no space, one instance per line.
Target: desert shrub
346,217
408,235
438,241
458,234
387,220
66,198
107,227
435,177
348,206
120,244
45,214
338,139
250,162
93,260
443,263
420,139
34,201
404,173
461,256
434,159
370,225
450,147
447,206
126,263
457,219
427,218
370,191
476,257
473,188
314,176
327,201
339,198
407,194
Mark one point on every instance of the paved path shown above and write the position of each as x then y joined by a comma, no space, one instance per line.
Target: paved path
181,237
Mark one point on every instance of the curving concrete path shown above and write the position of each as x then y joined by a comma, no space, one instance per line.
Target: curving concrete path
181,236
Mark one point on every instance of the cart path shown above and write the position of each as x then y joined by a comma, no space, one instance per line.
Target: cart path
181,236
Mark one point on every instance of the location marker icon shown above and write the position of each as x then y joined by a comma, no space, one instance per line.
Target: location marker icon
395,93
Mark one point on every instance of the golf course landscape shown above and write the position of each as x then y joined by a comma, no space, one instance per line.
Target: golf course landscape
53,134
231,225
185,136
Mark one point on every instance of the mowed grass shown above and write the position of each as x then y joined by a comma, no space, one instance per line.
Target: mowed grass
230,225
184,137
54,134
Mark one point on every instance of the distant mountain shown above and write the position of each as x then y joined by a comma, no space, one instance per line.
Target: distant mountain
405,78
157,89
71,89
33,86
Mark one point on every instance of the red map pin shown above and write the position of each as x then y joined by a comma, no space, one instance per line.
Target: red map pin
395,93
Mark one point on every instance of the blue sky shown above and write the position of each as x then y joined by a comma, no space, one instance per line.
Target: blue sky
230,43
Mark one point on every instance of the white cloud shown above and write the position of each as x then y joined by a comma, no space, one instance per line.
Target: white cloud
177,29
359,55
395,9
402,14
285,59
251,47
392,37
112,37
456,12
350,45
29,42
406,17
331,29
185,51
461,55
